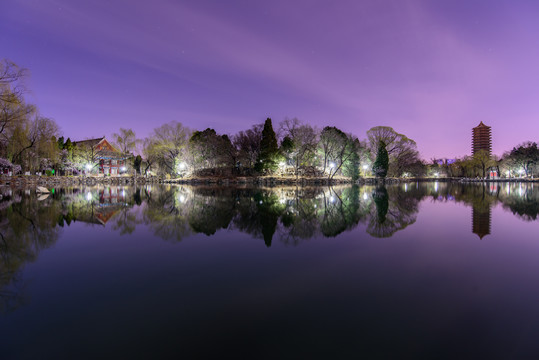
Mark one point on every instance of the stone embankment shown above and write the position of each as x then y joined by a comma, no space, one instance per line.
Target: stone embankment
51,181
259,181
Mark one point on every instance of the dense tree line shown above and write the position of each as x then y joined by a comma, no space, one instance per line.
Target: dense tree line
295,149
30,142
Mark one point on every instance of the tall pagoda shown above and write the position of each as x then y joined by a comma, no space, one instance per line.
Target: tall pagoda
481,138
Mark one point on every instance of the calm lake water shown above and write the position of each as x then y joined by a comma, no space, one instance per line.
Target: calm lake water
428,270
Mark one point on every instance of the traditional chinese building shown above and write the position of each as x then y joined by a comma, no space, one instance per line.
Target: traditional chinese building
482,141
481,138
109,160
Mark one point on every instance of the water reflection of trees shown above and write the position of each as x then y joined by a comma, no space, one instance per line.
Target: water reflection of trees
394,210
25,229
522,199
31,222
289,214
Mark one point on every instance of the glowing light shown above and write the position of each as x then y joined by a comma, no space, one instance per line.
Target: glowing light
365,167
88,167
282,164
89,196
182,198
182,166
365,196
123,168
331,165
332,199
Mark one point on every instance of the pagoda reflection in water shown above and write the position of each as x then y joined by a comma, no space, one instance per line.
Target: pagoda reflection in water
481,222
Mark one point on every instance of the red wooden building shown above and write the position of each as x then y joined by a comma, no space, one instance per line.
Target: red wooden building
109,160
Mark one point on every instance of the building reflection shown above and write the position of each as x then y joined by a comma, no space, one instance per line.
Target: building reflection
481,222
98,205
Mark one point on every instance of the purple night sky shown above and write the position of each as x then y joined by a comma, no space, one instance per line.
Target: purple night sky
430,69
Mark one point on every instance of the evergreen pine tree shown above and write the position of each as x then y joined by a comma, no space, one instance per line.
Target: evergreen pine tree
60,143
269,150
381,165
68,145
350,167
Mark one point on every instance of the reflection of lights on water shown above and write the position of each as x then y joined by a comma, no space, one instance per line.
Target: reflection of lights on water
436,186
89,196
405,187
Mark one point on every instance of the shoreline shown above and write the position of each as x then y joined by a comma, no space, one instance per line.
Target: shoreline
34,181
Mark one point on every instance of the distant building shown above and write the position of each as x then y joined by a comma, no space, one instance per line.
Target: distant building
110,161
481,138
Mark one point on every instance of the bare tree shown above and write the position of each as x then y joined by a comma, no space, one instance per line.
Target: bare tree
402,151
304,139
248,145
13,109
32,140
126,140
168,141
